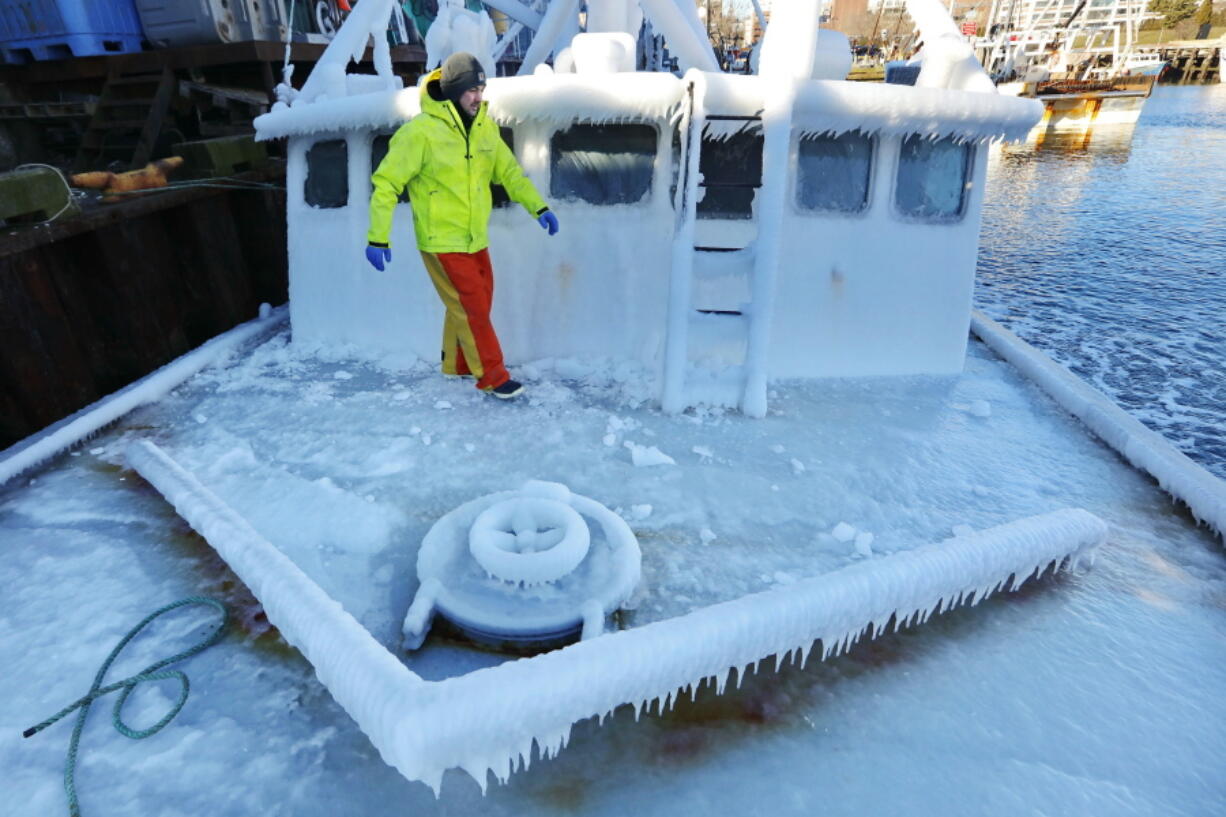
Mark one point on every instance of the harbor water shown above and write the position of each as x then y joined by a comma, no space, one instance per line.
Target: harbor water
1109,253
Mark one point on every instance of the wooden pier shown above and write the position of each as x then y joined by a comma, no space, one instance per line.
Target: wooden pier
129,108
1190,62
91,303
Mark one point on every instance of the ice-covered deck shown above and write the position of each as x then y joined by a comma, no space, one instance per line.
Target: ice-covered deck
1030,702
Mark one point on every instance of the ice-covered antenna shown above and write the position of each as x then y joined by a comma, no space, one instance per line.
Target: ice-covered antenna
368,20
678,21
284,92
557,17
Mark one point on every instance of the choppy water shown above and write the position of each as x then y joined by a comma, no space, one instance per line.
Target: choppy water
1111,257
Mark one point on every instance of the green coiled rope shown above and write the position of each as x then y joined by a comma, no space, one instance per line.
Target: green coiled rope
153,672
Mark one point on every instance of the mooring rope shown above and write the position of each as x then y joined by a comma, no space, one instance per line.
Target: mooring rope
150,673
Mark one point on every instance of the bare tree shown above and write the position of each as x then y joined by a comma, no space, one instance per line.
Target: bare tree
725,27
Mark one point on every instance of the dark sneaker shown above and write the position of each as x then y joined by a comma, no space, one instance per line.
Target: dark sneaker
507,390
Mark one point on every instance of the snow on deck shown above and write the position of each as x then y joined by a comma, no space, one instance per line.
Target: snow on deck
1028,703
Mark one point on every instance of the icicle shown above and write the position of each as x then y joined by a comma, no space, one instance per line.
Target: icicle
477,771
804,653
434,779
502,768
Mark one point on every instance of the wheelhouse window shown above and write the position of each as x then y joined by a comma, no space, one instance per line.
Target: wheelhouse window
731,168
378,149
833,172
327,180
603,164
933,178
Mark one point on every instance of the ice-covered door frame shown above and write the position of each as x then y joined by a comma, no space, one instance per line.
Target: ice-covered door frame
493,719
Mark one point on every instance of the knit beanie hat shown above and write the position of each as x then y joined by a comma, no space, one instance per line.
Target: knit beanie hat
461,71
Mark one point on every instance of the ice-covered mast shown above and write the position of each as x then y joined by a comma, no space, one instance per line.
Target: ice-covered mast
948,61
677,20
367,22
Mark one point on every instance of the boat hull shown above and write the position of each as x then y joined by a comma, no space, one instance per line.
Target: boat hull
1083,108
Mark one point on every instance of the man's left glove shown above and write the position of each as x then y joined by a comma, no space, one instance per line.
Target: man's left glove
378,256
549,221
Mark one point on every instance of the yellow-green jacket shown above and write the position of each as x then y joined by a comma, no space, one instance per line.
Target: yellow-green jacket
448,173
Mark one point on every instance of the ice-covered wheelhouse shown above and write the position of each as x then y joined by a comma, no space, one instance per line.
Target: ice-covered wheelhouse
718,230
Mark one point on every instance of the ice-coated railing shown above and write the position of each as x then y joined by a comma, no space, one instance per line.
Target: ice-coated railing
490,719
70,431
1201,491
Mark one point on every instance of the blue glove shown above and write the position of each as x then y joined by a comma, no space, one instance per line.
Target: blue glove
378,255
549,221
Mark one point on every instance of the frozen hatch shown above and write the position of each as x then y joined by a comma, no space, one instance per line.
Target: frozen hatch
531,568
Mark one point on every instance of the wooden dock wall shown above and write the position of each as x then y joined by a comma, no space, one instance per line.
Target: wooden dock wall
92,303
1190,62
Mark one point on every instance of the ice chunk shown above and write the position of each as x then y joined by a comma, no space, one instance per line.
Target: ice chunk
798,467
843,532
703,451
963,530
864,544
706,535
610,440
981,408
639,512
642,455
442,405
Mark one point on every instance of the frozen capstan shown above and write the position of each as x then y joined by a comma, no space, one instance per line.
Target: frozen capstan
529,569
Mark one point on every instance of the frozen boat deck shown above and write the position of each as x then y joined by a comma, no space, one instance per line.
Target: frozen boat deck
1029,702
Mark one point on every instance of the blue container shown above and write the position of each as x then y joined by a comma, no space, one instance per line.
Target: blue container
899,72
61,29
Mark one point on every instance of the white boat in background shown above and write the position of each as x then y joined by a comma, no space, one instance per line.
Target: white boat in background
1078,106
1144,64
1082,64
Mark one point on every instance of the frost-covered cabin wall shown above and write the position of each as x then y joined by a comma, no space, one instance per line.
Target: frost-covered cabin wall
880,225
879,238
603,160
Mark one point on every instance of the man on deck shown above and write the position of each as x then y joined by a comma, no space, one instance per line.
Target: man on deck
448,155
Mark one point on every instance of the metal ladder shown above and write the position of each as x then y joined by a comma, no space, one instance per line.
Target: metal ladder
696,335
